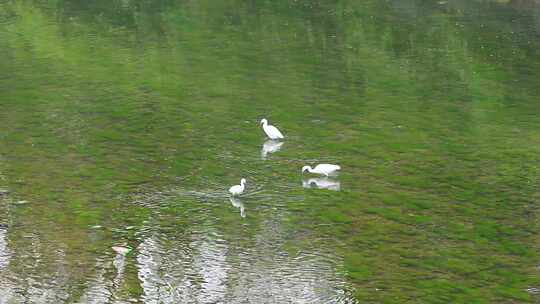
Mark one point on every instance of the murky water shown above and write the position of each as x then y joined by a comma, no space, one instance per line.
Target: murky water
123,123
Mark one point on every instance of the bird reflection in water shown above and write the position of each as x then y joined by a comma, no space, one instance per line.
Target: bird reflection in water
270,146
236,202
322,183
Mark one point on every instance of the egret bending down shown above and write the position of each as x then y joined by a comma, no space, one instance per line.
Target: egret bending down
322,169
271,131
238,189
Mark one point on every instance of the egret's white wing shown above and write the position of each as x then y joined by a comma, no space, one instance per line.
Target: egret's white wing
235,189
326,169
273,132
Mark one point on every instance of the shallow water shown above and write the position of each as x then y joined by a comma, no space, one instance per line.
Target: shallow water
123,123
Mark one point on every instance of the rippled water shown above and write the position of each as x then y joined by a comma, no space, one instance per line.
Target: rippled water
123,123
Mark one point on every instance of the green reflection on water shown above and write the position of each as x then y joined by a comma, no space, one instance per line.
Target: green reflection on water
141,113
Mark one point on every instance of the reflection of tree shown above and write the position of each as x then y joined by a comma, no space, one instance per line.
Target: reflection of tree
99,287
187,273
451,36
111,85
8,289
26,283
328,30
205,271
204,261
4,250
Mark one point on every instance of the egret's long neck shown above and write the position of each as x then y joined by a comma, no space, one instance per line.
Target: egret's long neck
265,124
242,184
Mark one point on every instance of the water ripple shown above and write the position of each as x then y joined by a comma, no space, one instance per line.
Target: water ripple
209,270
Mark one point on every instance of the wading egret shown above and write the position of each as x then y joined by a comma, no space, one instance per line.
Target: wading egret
321,183
271,131
322,169
238,189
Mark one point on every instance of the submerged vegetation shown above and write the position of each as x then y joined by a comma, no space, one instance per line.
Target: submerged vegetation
124,122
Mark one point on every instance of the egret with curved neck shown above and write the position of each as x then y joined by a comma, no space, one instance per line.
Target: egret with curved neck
322,169
238,189
271,131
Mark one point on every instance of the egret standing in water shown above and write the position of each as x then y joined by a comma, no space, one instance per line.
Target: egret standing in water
238,189
322,169
271,131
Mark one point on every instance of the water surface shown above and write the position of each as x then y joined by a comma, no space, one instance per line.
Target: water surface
125,122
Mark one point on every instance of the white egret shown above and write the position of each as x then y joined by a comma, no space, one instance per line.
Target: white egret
238,189
322,169
237,203
322,183
270,146
271,131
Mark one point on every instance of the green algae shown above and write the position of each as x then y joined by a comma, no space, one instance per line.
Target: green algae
437,138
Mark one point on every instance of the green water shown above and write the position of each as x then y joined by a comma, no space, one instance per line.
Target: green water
125,122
